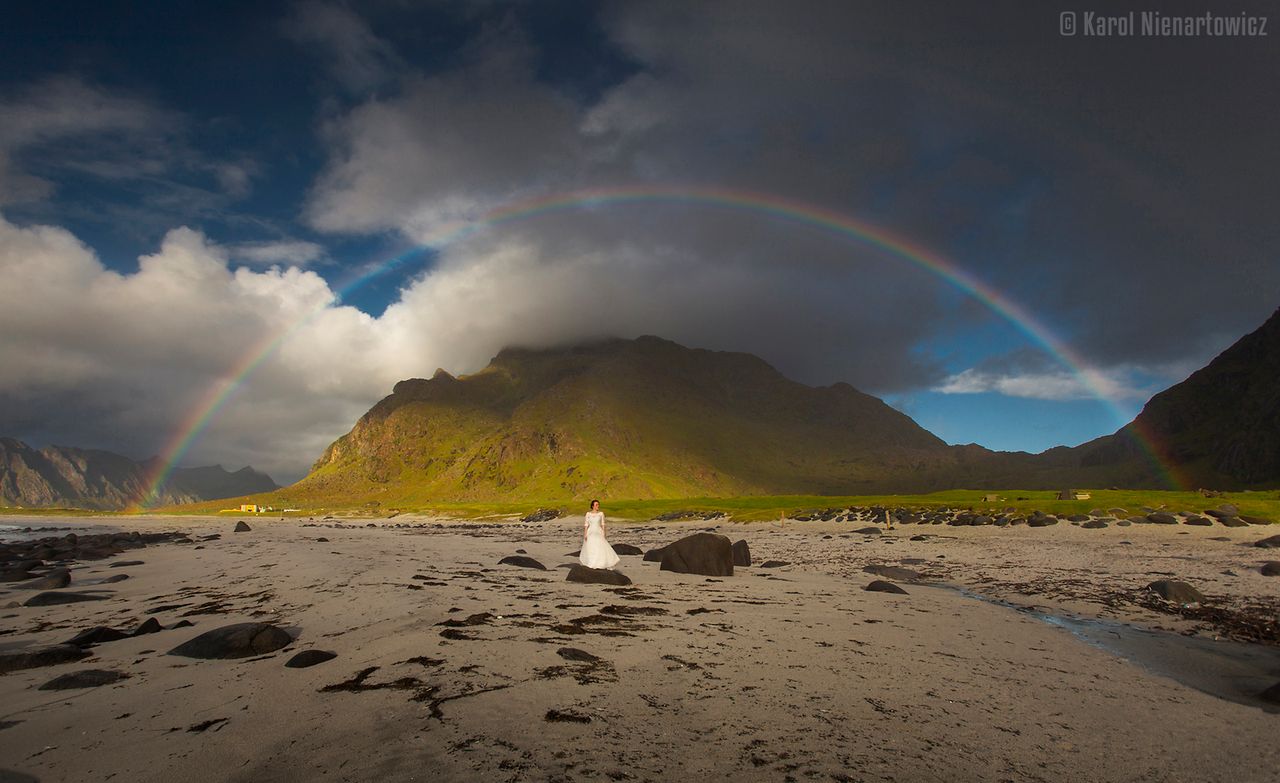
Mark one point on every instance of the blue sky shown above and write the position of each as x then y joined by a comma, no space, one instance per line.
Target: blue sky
180,183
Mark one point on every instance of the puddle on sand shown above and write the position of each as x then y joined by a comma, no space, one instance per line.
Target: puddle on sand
1235,671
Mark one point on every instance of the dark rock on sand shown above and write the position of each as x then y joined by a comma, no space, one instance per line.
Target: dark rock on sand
596,576
1270,568
96,635
707,554
88,678
1042,521
566,716
44,656
1175,591
151,625
1233,522
868,531
627,549
1271,694
1269,543
241,527
654,555
50,599
54,580
1197,521
115,578
522,561
774,564
574,654
234,641
309,658
741,553
126,563
542,515
1094,524
1160,518
881,586
893,572
1255,520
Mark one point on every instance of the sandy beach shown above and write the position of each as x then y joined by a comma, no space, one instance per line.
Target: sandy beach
998,664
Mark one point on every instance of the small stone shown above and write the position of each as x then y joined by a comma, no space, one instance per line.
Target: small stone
44,656
240,640
522,562
599,576
627,549
881,586
88,678
241,527
309,658
1175,591
574,654
51,599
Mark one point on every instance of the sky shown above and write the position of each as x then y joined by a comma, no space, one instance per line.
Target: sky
243,222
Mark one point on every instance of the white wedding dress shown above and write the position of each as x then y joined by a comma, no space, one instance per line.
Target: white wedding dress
596,552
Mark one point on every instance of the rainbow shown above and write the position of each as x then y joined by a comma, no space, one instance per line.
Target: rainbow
771,206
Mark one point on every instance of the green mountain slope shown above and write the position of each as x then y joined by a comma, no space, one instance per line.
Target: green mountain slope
623,418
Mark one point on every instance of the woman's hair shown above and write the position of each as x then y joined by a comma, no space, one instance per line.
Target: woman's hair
592,504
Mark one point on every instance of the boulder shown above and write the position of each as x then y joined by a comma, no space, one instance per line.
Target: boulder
1270,568
50,599
1271,694
654,555
1269,543
596,576
240,640
1160,518
309,658
522,562
774,564
881,586
97,635
1198,521
1252,520
151,625
44,656
88,678
1045,521
1232,522
741,553
54,580
241,527
1094,524
1175,591
707,554
627,549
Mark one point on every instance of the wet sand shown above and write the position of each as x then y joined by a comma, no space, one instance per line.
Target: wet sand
791,672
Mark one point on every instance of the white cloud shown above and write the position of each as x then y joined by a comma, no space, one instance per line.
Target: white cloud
142,349
1114,384
290,252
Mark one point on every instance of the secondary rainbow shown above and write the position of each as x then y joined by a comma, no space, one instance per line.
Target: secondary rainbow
775,207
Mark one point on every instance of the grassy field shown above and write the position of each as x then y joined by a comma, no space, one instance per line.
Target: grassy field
1263,504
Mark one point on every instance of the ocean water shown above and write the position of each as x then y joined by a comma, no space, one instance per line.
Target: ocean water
29,528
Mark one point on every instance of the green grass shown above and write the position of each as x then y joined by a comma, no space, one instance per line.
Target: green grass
765,507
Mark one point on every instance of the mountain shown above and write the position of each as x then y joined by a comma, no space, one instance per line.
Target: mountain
650,418
1220,428
627,418
88,478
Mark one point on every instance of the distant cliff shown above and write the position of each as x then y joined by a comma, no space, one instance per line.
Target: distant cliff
60,476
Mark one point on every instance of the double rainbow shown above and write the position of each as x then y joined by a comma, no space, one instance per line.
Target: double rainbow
766,205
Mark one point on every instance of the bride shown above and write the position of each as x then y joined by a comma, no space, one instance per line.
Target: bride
596,552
